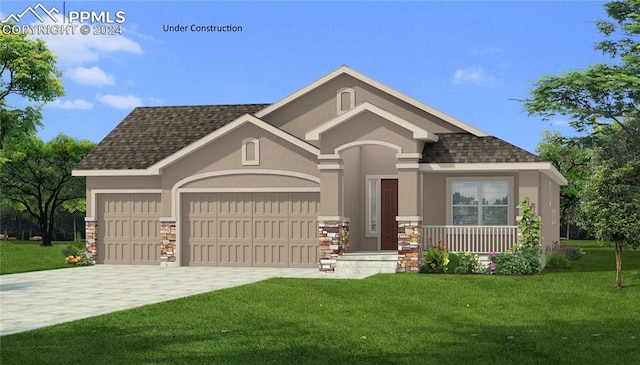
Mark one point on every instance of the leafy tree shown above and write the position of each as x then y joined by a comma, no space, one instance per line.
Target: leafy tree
611,197
604,100
28,69
604,93
37,176
571,157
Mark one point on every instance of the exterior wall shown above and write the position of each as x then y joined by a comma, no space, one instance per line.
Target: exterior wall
549,210
119,182
226,154
251,181
374,160
368,126
319,106
365,92
353,196
435,194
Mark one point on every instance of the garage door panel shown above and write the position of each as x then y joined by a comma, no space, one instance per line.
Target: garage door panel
251,229
128,228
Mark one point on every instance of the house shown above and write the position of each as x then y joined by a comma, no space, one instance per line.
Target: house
343,165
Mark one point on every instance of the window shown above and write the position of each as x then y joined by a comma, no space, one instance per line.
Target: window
372,207
250,152
483,202
346,100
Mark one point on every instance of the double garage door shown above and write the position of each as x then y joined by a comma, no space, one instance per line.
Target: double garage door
249,229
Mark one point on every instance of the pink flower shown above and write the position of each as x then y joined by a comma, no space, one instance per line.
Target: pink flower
492,266
492,255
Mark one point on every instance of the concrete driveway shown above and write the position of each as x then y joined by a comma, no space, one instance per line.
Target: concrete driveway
43,298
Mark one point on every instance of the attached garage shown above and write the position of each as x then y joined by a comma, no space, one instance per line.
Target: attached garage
249,229
129,228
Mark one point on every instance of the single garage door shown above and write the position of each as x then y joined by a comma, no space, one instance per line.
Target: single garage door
250,229
129,229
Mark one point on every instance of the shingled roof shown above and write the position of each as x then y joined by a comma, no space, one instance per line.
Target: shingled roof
149,134
467,148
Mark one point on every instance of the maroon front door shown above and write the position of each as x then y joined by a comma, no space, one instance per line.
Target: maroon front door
388,212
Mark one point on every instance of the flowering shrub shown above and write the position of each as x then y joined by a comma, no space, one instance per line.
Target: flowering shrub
468,264
558,260
74,255
76,260
525,257
572,252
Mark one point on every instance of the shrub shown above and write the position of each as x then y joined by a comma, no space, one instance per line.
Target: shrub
436,260
558,260
572,252
514,263
454,262
468,264
75,255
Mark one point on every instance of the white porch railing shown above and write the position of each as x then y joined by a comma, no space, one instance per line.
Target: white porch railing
476,239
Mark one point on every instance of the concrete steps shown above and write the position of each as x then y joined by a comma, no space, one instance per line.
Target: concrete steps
367,263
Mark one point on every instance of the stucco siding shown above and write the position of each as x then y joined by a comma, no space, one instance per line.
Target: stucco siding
353,196
368,126
123,183
402,109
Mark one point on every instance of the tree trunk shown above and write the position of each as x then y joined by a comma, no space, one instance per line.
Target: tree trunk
568,228
618,265
74,229
45,232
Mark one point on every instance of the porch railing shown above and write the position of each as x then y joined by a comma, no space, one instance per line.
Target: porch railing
476,239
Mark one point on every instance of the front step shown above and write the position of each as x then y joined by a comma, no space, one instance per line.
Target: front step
367,263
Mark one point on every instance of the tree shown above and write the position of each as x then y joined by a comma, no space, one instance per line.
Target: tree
37,176
28,69
604,93
603,100
571,157
611,197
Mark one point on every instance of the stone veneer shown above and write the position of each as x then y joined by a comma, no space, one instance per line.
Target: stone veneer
168,243
91,240
410,254
333,239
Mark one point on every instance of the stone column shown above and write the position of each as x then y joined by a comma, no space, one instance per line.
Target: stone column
333,226
168,243
333,237
91,239
410,250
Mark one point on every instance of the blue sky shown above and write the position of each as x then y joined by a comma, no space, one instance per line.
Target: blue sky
467,59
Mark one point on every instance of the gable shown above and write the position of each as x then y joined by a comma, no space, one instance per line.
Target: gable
313,105
149,134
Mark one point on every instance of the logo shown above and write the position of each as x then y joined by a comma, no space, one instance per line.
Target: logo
34,10
87,22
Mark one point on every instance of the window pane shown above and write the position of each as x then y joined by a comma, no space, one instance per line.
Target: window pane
495,193
495,215
465,215
464,193
373,208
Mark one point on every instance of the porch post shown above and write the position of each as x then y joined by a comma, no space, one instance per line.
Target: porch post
410,250
91,239
333,226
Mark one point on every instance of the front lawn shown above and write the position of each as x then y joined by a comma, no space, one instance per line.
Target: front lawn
567,317
23,256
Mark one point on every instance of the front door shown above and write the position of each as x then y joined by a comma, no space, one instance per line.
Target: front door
388,212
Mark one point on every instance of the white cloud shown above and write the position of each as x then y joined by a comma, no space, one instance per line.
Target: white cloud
474,75
120,101
91,76
560,123
76,49
71,104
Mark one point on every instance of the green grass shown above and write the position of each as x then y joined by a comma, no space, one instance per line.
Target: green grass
24,256
570,316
